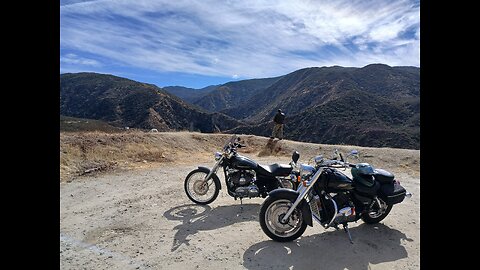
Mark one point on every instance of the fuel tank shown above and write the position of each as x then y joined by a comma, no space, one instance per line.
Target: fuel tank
242,162
334,181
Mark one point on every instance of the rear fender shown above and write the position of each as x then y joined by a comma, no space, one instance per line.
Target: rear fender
214,176
292,195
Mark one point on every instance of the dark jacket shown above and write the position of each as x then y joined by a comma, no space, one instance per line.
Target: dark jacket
279,118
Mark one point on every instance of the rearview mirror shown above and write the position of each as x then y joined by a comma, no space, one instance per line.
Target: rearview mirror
295,156
336,154
353,153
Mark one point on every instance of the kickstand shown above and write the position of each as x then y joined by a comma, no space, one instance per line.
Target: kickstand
241,205
345,227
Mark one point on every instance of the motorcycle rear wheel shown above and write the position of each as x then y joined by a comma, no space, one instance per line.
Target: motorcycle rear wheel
271,213
377,214
197,189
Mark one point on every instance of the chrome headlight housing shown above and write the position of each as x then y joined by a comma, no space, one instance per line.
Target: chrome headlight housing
218,156
306,170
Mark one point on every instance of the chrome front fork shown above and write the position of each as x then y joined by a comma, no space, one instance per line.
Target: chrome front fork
303,190
214,169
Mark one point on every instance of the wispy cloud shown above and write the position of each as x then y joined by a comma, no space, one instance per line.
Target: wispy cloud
240,39
73,59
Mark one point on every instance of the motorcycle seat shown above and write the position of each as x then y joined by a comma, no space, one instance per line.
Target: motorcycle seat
276,169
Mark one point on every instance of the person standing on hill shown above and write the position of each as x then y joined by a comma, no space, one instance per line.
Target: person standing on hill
278,120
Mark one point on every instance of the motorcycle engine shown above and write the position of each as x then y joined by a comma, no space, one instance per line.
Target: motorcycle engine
346,209
242,182
241,178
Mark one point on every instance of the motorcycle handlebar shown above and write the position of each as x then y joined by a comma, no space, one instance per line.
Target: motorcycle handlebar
341,163
239,145
234,146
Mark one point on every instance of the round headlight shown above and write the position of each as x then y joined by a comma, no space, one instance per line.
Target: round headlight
218,156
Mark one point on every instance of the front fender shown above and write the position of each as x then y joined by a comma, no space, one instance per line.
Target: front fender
292,195
214,176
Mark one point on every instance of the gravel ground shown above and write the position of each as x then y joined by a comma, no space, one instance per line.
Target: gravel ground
142,219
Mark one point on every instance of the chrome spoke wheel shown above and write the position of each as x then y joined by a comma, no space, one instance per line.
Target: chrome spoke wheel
199,189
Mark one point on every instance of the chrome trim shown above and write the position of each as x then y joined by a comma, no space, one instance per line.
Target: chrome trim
281,182
303,193
306,170
314,206
381,208
214,169
318,159
271,220
378,202
408,194
316,218
336,210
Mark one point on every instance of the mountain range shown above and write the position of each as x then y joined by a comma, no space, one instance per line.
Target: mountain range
376,105
125,103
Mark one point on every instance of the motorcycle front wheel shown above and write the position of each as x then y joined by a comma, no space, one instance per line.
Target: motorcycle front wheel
271,214
200,191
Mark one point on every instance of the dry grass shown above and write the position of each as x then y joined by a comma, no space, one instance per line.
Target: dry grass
86,152
90,152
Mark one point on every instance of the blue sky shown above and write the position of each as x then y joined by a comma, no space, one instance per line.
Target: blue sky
204,42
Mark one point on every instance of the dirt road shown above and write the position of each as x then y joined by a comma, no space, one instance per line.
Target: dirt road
143,220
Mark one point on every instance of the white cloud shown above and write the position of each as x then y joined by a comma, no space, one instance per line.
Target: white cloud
76,60
248,38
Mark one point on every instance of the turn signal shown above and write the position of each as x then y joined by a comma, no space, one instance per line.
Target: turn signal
304,183
299,178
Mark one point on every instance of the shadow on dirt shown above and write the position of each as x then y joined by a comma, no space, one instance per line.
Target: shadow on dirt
330,250
197,218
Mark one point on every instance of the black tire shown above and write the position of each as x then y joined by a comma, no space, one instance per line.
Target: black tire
376,218
263,223
215,181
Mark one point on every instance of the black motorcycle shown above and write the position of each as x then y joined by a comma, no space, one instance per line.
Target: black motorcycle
244,178
331,198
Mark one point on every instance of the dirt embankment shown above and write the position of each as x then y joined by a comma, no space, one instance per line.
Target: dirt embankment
88,152
92,152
